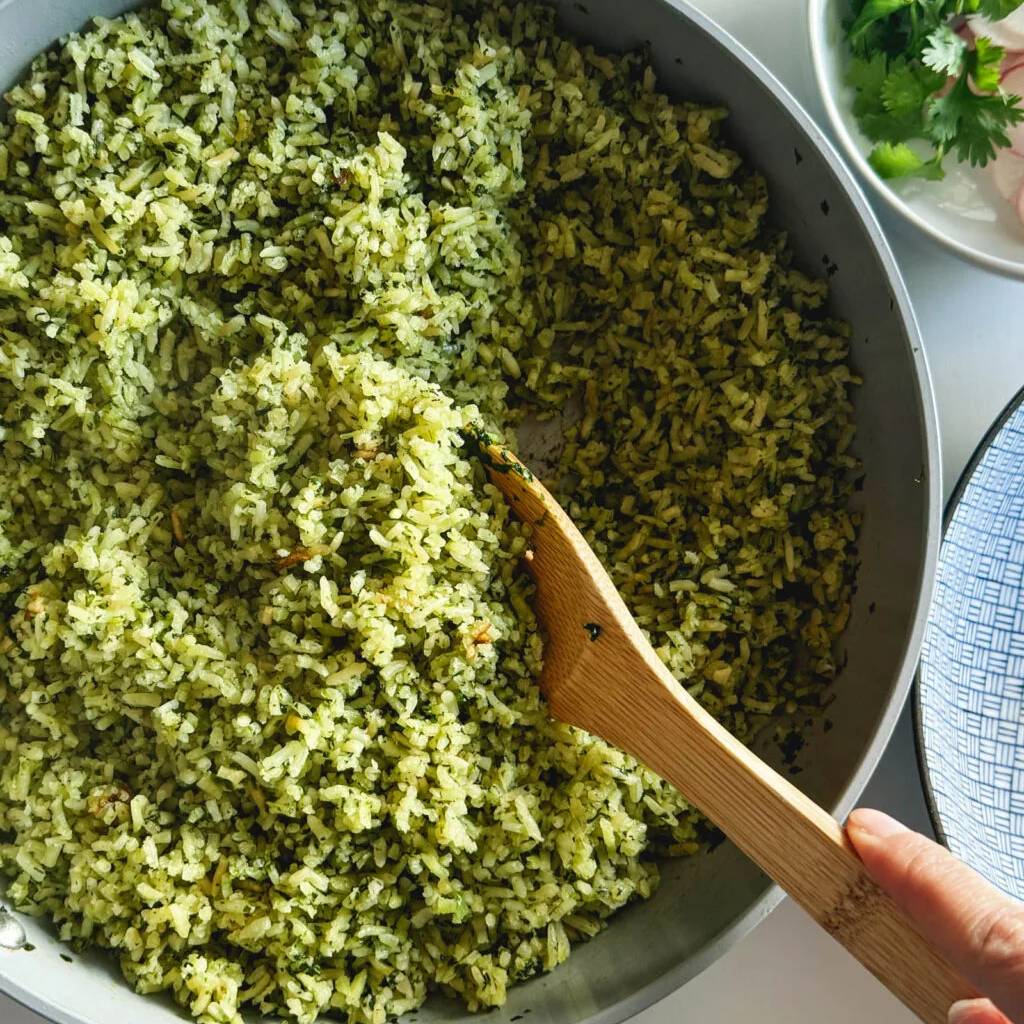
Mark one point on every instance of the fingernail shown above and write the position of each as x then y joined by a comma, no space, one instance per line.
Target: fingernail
961,1012
874,823
975,1011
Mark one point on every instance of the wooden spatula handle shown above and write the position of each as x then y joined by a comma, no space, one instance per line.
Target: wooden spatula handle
799,845
600,673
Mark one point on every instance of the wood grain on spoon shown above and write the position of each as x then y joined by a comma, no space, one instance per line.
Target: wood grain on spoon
602,675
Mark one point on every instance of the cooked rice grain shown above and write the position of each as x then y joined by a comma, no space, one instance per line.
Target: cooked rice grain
270,725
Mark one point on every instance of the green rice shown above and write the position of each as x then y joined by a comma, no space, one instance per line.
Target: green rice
270,725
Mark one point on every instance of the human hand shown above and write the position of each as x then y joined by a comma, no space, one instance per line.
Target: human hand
980,931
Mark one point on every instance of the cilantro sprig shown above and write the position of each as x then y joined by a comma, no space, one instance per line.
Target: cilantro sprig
916,78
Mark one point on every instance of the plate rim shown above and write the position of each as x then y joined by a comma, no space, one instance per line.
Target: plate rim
952,506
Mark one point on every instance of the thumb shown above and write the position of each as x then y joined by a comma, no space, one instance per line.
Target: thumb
976,1011
980,930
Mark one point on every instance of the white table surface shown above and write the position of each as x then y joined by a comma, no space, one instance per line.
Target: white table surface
788,971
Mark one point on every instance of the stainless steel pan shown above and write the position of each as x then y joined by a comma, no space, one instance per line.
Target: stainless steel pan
705,904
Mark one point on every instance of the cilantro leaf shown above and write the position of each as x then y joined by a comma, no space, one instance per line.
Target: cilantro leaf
985,132
872,11
907,87
985,64
943,119
972,125
867,76
904,52
890,96
927,16
886,128
894,161
995,10
900,161
945,51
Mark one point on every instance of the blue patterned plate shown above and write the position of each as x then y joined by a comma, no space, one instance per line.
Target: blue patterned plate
969,701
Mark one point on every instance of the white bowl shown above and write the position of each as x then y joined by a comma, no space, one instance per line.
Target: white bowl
964,212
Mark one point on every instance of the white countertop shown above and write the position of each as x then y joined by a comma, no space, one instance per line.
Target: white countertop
788,971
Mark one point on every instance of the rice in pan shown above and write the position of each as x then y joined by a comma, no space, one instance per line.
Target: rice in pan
270,729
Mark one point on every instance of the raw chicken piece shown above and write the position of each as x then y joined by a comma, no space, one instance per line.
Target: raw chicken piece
1008,32
1013,83
1008,167
1008,173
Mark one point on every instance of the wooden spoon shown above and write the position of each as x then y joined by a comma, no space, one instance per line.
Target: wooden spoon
602,675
